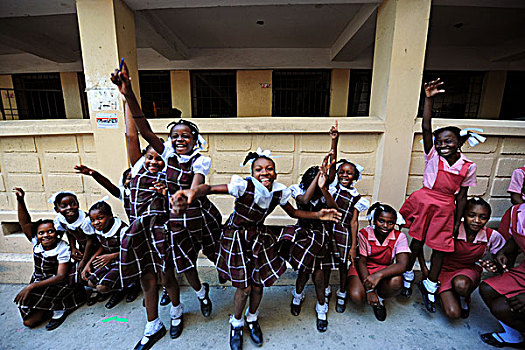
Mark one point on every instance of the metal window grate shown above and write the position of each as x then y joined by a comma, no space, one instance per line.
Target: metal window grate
83,94
359,92
300,93
462,96
214,94
38,96
155,93
512,106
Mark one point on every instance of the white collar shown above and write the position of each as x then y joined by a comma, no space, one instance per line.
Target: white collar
169,151
51,252
114,229
352,190
74,225
262,196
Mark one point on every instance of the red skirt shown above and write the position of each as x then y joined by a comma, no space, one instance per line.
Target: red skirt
372,268
446,277
429,215
510,283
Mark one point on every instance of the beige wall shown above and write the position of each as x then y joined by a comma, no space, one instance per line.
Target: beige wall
181,92
254,98
339,85
71,93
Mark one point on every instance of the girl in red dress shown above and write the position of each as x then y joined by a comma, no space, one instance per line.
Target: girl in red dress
433,213
460,274
383,256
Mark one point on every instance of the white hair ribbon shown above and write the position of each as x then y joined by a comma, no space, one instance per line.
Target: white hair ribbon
399,218
103,199
261,153
54,196
473,138
359,168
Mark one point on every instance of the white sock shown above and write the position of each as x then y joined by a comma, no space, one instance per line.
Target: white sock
251,317
431,287
510,335
322,310
341,295
176,311
327,291
201,293
152,327
235,322
380,299
297,298
463,302
57,314
408,278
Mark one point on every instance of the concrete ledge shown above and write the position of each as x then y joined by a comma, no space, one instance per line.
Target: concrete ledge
45,127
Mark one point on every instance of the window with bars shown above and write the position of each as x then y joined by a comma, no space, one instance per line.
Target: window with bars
300,93
155,93
83,95
214,94
38,96
359,92
462,94
512,106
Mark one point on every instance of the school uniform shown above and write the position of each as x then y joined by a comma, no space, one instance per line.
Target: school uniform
512,283
124,197
109,275
249,250
61,296
304,245
379,255
340,239
429,212
515,186
143,244
199,228
466,255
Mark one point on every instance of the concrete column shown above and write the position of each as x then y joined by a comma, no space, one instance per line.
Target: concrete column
340,83
71,93
181,92
107,33
399,54
254,93
8,97
492,94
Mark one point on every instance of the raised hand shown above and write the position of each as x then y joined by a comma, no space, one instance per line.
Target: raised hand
334,131
324,169
329,215
122,80
432,88
82,169
19,192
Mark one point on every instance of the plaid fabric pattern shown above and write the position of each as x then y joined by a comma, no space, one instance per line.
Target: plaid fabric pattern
199,228
249,250
61,296
341,238
144,201
126,201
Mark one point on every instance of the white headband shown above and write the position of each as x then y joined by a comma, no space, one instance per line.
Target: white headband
54,196
399,218
266,153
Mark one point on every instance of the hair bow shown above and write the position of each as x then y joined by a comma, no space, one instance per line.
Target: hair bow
473,138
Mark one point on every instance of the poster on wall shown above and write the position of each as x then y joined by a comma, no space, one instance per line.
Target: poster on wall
107,121
103,99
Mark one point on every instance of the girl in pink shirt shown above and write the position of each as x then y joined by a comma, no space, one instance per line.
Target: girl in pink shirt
433,213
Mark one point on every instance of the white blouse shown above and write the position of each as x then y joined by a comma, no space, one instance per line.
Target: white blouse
361,205
83,222
112,231
262,196
61,251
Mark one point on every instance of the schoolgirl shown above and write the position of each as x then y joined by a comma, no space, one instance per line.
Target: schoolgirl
383,255
248,254
199,228
102,272
48,294
434,212
517,196
460,275
505,294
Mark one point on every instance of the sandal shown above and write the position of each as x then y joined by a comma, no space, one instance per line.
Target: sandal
490,339
429,305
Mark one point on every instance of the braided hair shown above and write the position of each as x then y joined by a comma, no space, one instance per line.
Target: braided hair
378,208
192,126
254,156
103,207
308,177
456,131
343,161
478,201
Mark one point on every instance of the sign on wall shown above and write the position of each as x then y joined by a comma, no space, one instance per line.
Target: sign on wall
107,121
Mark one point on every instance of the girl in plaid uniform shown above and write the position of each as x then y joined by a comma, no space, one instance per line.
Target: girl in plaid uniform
102,272
383,256
48,292
248,254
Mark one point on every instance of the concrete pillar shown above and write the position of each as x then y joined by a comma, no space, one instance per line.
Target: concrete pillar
340,83
181,92
8,97
254,93
399,54
492,94
71,93
107,33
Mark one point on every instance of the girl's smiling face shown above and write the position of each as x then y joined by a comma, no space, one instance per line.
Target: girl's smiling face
68,206
99,220
183,140
153,161
384,224
346,175
476,217
263,170
446,143
47,235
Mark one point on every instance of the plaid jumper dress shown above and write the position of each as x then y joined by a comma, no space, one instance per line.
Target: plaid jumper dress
143,244
61,296
199,228
109,275
249,250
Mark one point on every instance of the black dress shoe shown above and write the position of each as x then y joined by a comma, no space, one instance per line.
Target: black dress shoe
236,338
340,305
379,312
255,332
176,331
115,299
165,299
93,298
322,325
429,305
132,292
55,322
406,292
465,312
206,301
295,309
148,341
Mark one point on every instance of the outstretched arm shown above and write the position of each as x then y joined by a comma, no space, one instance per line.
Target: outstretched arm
101,179
334,135
23,214
132,137
181,199
123,81
323,214
431,89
